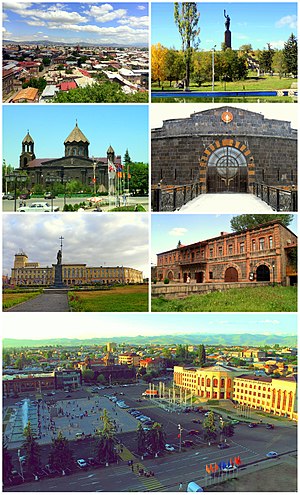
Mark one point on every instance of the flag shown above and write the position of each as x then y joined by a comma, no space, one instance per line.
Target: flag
231,462
111,170
211,468
207,469
216,467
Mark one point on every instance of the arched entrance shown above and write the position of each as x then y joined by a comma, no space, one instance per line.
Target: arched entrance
170,275
227,171
231,275
263,273
199,276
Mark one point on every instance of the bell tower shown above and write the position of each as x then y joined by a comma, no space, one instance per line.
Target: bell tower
27,151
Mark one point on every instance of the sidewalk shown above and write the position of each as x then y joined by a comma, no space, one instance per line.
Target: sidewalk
44,303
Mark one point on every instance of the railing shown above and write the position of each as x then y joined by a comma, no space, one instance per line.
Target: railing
278,199
171,198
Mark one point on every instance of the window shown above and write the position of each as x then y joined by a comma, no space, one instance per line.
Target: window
261,244
270,242
211,252
211,275
253,245
220,250
230,249
242,247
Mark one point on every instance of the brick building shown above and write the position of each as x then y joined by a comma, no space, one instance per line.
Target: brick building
259,254
39,382
129,358
25,273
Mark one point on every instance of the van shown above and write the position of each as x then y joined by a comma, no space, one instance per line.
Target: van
194,487
79,435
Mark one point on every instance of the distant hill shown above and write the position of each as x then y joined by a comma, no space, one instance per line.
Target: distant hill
245,339
82,44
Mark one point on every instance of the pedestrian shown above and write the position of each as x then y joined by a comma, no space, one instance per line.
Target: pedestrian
132,467
180,486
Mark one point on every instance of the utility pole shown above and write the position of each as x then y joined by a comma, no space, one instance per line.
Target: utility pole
180,436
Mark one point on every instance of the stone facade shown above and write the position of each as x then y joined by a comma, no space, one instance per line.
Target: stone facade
27,273
224,154
255,255
75,164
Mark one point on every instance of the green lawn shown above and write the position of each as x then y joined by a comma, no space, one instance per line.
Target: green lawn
10,299
256,299
119,299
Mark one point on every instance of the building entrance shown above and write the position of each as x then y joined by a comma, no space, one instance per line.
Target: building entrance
227,171
263,274
231,275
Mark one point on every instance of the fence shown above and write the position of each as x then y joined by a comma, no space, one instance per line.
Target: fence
278,199
171,198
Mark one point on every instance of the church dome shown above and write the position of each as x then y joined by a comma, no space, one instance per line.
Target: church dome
76,136
27,139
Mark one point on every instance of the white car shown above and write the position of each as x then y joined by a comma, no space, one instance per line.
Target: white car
81,463
169,447
229,469
42,206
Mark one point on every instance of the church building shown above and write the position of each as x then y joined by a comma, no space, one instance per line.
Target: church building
76,164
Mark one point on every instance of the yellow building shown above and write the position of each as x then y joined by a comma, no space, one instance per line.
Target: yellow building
272,395
26,273
129,358
215,382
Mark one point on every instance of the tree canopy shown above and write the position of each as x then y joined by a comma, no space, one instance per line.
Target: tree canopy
243,222
106,92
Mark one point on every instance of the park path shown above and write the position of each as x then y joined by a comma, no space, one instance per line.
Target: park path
226,203
44,303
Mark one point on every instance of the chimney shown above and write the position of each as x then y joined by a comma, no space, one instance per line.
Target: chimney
223,233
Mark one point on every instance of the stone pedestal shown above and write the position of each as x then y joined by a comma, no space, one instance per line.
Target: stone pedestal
58,283
227,38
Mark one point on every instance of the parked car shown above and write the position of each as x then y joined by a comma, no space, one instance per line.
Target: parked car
49,195
193,432
25,196
81,463
196,421
270,426
187,443
229,469
169,447
272,454
223,445
41,207
8,196
252,425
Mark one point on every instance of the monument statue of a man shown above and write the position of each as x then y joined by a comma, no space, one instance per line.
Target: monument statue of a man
227,22
58,257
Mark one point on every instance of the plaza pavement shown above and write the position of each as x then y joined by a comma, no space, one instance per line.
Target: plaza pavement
46,302
226,203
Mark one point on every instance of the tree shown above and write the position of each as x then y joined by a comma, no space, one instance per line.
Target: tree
278,63
201,355
265,58
174,66
106,92
7,464
127,159
243,222
141,439
210,427
46,61
227,430
61,456
158,63
101,378
36,82
290,53
105,446
186,18
246,48
156,438
88,375
139,178
32,449
6,359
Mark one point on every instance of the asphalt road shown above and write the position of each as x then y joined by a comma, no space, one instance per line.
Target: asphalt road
251,444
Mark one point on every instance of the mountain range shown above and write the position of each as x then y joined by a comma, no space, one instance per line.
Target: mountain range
82,43
244,339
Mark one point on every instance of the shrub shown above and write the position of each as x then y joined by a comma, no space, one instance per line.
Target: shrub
166,281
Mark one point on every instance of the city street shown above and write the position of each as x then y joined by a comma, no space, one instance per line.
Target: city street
8,204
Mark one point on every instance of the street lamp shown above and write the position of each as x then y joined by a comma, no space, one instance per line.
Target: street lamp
50,179
180,436
273,269
14,178
21,467
213,68
94,174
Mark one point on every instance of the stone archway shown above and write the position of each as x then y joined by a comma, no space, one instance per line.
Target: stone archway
231,275
263,273
227,166
170,275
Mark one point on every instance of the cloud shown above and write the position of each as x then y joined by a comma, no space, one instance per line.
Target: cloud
36,23
288,20
52,13
279,44
136,22
106,13
177,231
141,7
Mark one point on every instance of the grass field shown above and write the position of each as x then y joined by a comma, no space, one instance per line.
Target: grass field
11,299
127,298
266,83
256,299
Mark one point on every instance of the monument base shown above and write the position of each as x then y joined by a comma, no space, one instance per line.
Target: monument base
227,38
58,283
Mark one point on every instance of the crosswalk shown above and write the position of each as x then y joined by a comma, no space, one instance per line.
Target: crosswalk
151,483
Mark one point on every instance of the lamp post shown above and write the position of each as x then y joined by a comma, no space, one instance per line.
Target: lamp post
94,174
180,436
50,179
14,178
213,68
273,269
21,467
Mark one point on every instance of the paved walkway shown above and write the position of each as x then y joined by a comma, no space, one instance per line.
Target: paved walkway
226,203
44,303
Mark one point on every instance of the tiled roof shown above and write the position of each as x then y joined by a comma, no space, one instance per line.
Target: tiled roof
76,136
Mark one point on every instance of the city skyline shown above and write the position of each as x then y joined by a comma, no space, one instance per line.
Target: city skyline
256,26
109,240
108,131
83,22
85,326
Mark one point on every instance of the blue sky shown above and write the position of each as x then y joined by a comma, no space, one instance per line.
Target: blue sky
87,325
121,126
168,229
121,23
256,23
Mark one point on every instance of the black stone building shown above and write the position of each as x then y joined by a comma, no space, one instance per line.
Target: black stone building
224,149
75,164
